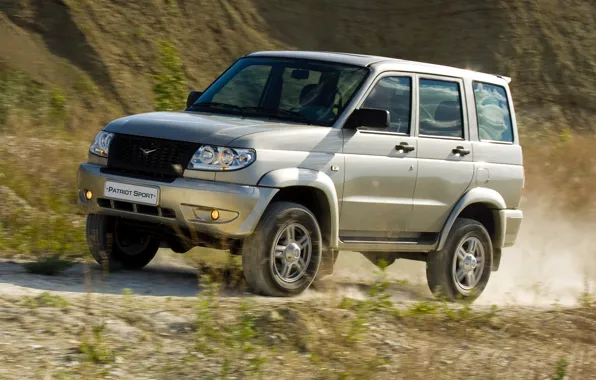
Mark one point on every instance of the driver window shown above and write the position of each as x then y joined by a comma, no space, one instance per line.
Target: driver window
394,95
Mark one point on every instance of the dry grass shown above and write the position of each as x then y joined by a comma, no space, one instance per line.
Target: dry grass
38,202
130,337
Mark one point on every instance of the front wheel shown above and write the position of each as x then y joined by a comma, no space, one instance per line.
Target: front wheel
283,255
115,245
460,271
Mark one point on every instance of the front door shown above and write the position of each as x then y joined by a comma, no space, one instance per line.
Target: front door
380,174
445,157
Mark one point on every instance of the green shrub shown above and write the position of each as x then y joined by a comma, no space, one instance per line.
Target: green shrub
45,299
561,370
170,83
94,347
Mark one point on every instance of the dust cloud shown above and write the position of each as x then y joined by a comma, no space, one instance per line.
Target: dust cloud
552,262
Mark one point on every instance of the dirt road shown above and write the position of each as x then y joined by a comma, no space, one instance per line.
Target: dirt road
524,279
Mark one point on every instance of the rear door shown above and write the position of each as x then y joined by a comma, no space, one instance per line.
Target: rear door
381,166
445,159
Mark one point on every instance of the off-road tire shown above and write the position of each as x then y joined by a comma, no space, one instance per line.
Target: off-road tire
257,250
439,264
101,242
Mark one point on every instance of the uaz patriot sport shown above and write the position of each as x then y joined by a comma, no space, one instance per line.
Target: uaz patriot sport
290,157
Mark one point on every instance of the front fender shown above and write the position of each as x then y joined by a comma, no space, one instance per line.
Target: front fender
483,195
287,177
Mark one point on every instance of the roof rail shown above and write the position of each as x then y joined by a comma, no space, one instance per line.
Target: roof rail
507,79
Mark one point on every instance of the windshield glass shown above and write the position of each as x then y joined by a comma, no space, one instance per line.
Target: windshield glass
311,92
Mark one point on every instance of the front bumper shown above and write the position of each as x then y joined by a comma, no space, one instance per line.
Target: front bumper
186,203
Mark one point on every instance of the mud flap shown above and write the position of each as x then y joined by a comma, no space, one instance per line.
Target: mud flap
496,259
327,262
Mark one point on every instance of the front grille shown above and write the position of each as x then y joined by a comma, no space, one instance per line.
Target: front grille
148,156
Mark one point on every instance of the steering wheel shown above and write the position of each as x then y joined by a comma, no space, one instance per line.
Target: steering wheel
335,106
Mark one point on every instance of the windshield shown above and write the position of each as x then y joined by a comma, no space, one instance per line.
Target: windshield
311,92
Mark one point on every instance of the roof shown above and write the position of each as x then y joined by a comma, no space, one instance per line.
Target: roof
347,58
381,62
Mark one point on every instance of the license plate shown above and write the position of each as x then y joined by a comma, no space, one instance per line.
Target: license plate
131,193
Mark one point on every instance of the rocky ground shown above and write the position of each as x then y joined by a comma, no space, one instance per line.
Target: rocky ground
162,323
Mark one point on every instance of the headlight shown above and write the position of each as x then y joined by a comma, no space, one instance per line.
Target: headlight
219,158
101,144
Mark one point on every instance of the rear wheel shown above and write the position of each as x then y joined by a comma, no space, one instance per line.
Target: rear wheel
116,245
283,255
460,271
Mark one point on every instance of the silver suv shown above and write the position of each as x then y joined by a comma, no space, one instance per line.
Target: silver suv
288,158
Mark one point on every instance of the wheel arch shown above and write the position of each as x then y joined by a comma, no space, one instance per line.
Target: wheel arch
482,205
312,189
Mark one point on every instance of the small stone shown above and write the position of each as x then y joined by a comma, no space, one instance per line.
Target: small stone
36,346
272,339
119,359
274,316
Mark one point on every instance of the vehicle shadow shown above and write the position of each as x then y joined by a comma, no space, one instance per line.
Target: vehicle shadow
158,280
167,278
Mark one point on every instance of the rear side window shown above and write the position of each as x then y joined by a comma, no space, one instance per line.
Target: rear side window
440,109
492,109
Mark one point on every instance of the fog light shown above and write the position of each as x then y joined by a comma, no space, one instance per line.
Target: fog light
88,195
214,214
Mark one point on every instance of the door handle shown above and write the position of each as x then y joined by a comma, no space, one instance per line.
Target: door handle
460,151
403,147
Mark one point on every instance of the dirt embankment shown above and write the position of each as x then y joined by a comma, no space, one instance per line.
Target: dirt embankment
105,52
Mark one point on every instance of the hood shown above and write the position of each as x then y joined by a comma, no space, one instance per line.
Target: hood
203,128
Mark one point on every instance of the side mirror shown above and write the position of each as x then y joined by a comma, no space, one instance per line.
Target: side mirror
372,118
192,98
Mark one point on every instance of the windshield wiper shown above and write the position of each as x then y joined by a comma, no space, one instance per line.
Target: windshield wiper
218,105
281,113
